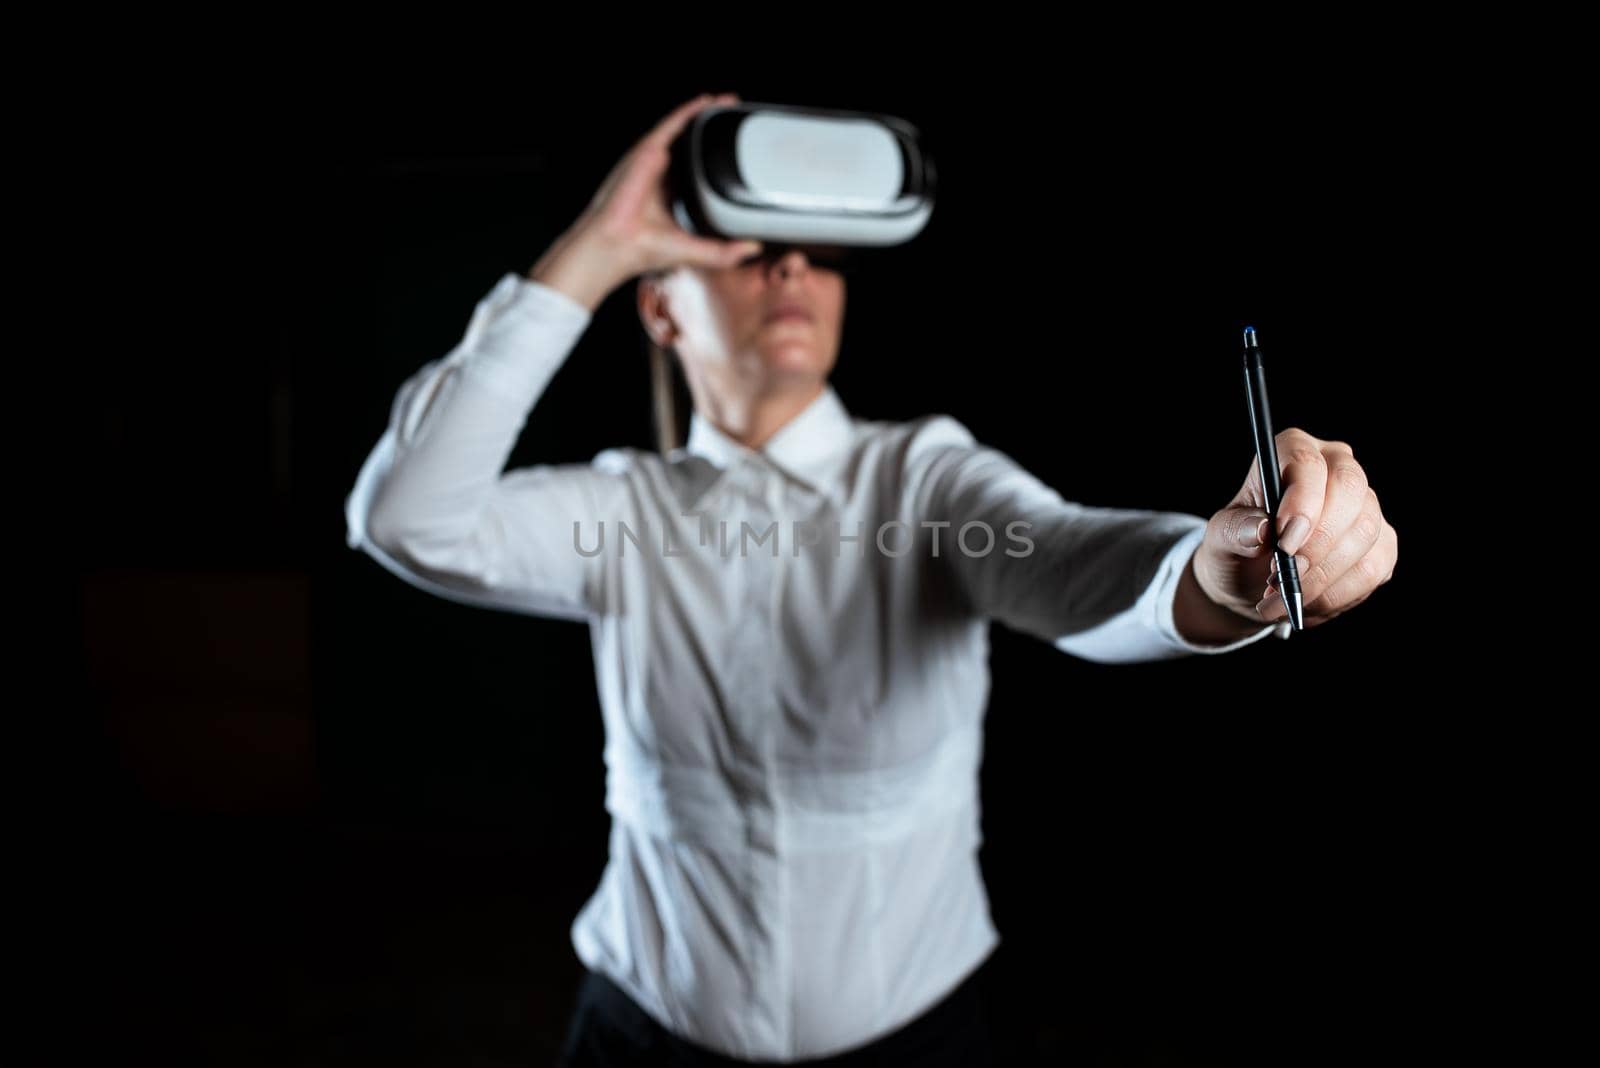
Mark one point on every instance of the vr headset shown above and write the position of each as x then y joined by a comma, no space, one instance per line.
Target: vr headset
830,182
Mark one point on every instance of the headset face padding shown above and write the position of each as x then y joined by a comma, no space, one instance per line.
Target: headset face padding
841,258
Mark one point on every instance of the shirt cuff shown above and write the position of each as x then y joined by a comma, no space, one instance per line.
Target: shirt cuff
520,333
1166,593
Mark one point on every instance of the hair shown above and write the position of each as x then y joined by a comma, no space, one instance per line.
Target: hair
670,400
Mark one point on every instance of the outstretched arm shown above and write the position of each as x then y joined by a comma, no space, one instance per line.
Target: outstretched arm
1105,584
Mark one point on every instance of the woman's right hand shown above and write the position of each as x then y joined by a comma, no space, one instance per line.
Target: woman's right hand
628,227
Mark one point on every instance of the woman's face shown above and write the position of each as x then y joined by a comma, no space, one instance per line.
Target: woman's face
773,318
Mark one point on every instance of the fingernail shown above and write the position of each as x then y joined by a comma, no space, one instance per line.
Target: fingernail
1294,535
1251,534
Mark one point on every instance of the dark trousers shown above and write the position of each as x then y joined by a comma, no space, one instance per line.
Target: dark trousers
610,1028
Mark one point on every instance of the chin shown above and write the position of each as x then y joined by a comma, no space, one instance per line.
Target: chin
795,360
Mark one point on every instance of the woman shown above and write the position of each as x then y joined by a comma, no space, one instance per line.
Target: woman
789,614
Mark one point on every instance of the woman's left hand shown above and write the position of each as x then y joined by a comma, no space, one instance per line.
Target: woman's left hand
1329,519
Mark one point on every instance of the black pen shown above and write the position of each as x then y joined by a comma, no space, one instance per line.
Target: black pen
1255,390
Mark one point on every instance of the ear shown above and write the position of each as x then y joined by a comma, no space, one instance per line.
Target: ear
654,313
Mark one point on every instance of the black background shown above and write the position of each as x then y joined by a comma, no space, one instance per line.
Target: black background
339,821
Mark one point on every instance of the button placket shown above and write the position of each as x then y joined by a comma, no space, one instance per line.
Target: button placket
755,706
747,630
765,586
755,576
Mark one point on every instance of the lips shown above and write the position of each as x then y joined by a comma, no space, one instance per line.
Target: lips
790,310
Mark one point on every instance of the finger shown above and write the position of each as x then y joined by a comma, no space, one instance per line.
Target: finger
1304,476
1347,499
1239,530
1360,537
1358,581
703,251
652,155
643,175
670,127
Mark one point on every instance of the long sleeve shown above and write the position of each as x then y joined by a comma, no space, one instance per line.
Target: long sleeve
433,503
1098,583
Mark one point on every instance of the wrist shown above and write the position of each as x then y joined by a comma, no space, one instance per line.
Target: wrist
1201,620
578,267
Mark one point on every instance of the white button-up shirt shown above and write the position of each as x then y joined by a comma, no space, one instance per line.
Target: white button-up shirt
791,653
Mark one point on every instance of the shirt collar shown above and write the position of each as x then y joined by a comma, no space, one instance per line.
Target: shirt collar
809,448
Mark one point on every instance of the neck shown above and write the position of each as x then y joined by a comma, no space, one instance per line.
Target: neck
752,418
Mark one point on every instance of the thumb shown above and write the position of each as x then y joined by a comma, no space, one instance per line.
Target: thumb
710,252
1241,530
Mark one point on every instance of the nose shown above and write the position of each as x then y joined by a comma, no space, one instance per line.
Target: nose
787,261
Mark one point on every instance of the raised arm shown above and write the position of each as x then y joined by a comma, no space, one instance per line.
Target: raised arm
432,502
1099,583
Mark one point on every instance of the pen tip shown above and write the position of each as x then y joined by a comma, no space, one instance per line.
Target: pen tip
1249,337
